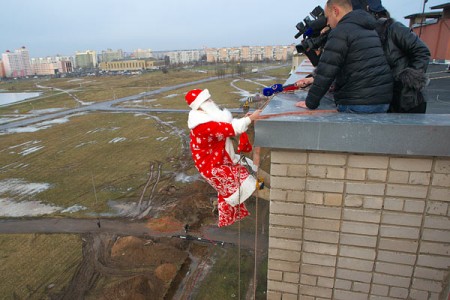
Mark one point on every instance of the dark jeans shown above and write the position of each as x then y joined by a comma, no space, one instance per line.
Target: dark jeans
363,109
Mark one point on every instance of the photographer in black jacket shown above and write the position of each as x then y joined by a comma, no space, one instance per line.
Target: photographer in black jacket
408,58
354,59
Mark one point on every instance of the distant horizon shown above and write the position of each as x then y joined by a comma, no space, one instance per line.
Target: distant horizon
48,29
126,51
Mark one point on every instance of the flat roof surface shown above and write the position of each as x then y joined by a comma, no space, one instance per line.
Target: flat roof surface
431,14
444,5
291,127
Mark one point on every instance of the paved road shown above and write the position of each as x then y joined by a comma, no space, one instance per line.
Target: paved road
109,105
106,106
123,227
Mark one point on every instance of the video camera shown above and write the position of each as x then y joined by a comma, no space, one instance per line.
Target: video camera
312,39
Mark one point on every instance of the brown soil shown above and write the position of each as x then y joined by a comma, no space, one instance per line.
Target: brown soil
130,267
192,206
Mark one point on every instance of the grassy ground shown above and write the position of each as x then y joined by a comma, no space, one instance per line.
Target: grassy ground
225,273
90,89
31,265
222,281
111,152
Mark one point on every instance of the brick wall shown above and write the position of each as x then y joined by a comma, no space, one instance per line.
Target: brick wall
348,226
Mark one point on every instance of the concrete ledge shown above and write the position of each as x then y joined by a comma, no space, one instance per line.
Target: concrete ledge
402,134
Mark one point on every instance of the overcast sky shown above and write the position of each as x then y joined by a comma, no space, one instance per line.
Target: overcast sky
49,27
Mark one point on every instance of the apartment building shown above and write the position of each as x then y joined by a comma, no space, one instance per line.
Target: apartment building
185,56
249,53
86,59
111,55
142,54
2,69
51,65
130,65
17,63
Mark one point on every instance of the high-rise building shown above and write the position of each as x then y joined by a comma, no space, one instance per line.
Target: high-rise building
51,65
249,53
142,53
86,59
17,63
111,55
184,56
2,70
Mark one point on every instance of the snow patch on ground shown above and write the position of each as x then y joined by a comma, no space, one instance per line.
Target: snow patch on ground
86,143
45,111
267,78
117,140
26,144
74,208
31,150
244,93
171,96
162,138
19,187
184,178
39,126
11,208
103,129
142,103
122,209
15,165
27,148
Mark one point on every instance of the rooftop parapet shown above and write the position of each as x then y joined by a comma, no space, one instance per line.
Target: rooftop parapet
289,127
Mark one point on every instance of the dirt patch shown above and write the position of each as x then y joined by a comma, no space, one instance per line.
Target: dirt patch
133,252
166,272
165,224
136,288
130,267
194,206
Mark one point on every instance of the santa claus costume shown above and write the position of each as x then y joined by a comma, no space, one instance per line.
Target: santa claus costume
212,150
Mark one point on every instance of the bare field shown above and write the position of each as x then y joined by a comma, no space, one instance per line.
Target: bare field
89,89
32,266
99,165
83,164
108,152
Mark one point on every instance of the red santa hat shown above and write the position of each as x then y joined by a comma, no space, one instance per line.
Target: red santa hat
195,98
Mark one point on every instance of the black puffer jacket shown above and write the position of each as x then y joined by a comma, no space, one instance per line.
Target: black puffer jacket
408,58
353,56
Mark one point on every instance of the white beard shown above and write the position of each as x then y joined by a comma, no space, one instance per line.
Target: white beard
214,111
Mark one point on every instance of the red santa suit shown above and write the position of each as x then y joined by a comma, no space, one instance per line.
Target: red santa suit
215,159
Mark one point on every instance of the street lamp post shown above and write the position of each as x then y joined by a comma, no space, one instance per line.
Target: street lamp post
421,20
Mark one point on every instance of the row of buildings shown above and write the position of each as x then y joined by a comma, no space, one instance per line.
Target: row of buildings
17,63
249,53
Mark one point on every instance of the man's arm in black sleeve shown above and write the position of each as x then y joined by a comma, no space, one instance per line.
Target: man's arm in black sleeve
330,62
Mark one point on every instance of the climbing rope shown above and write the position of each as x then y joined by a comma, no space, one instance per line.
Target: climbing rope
256,158
256,161
239,226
